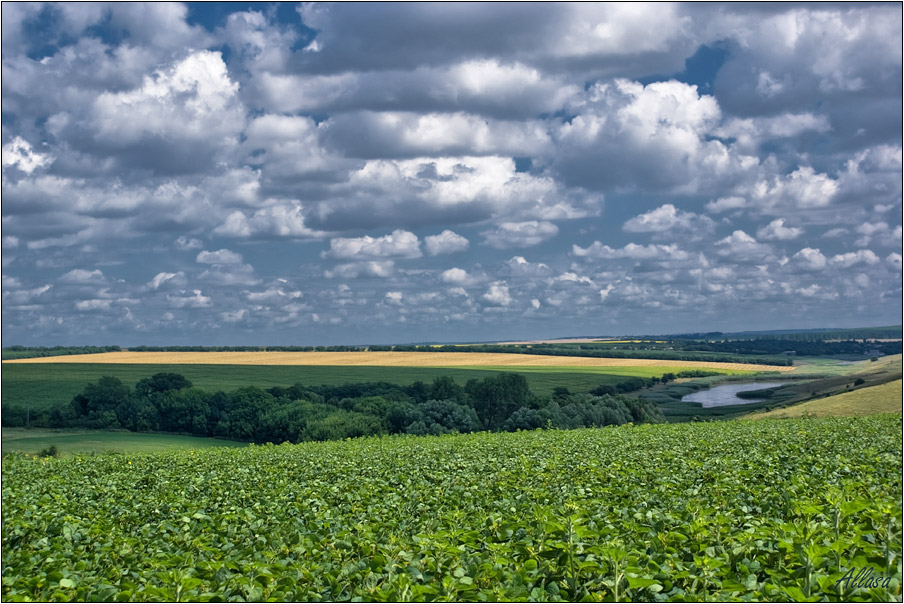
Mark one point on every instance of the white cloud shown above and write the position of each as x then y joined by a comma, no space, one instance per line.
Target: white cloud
498,295
854,258
83,277
353,270
398,244
810,259
223,256
196,300
447,242
284,219
10,242
667,218
776,230
632,251
726,204
192,100
19,154
87,305
161,278
520,234
742,247
272,296
893,261
459,276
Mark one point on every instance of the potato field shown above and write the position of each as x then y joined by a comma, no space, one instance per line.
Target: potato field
768,510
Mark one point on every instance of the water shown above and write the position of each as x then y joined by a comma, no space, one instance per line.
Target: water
721,396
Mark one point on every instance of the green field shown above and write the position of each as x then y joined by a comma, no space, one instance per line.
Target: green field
68,442
864,401
758,511
46,386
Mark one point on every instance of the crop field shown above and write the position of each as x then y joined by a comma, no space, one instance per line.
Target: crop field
384,359
45,385
70,442
768,510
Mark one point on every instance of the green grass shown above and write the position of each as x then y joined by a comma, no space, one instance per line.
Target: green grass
721,511
69,442
47,386
885,398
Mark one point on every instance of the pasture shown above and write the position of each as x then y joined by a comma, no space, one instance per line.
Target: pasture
70,442
886,398
726,511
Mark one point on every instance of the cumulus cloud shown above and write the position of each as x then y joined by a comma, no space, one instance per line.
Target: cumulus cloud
854,258
498,295
810,259
223,256
353,270
520,234
667,218
457,276
743,248
83,277
632,251
398,244
777,231
195,300
447,242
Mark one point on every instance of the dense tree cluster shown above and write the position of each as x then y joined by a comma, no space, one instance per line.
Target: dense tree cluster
28,352
168,402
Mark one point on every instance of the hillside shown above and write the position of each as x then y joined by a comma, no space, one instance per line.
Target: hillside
886,398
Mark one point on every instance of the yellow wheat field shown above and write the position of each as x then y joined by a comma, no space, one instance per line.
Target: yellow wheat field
381,359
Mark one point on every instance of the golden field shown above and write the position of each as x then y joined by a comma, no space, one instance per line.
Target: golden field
382,359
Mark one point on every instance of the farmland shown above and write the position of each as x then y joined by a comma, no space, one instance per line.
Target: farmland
46,383
768,510
384,359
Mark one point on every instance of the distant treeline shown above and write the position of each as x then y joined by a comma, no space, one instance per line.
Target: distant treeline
855,333
28,352
247,348
799,347
601,351
168,402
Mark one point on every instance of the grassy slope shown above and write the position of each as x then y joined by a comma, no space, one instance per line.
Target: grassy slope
865,401
69,442
48,385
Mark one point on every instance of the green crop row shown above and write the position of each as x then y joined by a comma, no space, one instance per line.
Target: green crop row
770,510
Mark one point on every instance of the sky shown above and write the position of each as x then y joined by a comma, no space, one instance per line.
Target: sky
304,174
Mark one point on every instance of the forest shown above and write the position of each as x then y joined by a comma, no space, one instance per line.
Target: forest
167,402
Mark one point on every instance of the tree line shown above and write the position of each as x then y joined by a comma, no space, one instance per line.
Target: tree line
601,351
168,402
29,352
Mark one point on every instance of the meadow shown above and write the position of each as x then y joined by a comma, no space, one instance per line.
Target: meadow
71,442
886,398
755,511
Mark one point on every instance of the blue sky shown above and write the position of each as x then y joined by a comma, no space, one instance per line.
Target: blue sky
247,173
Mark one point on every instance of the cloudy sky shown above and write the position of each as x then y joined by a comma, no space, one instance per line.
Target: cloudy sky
341,173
